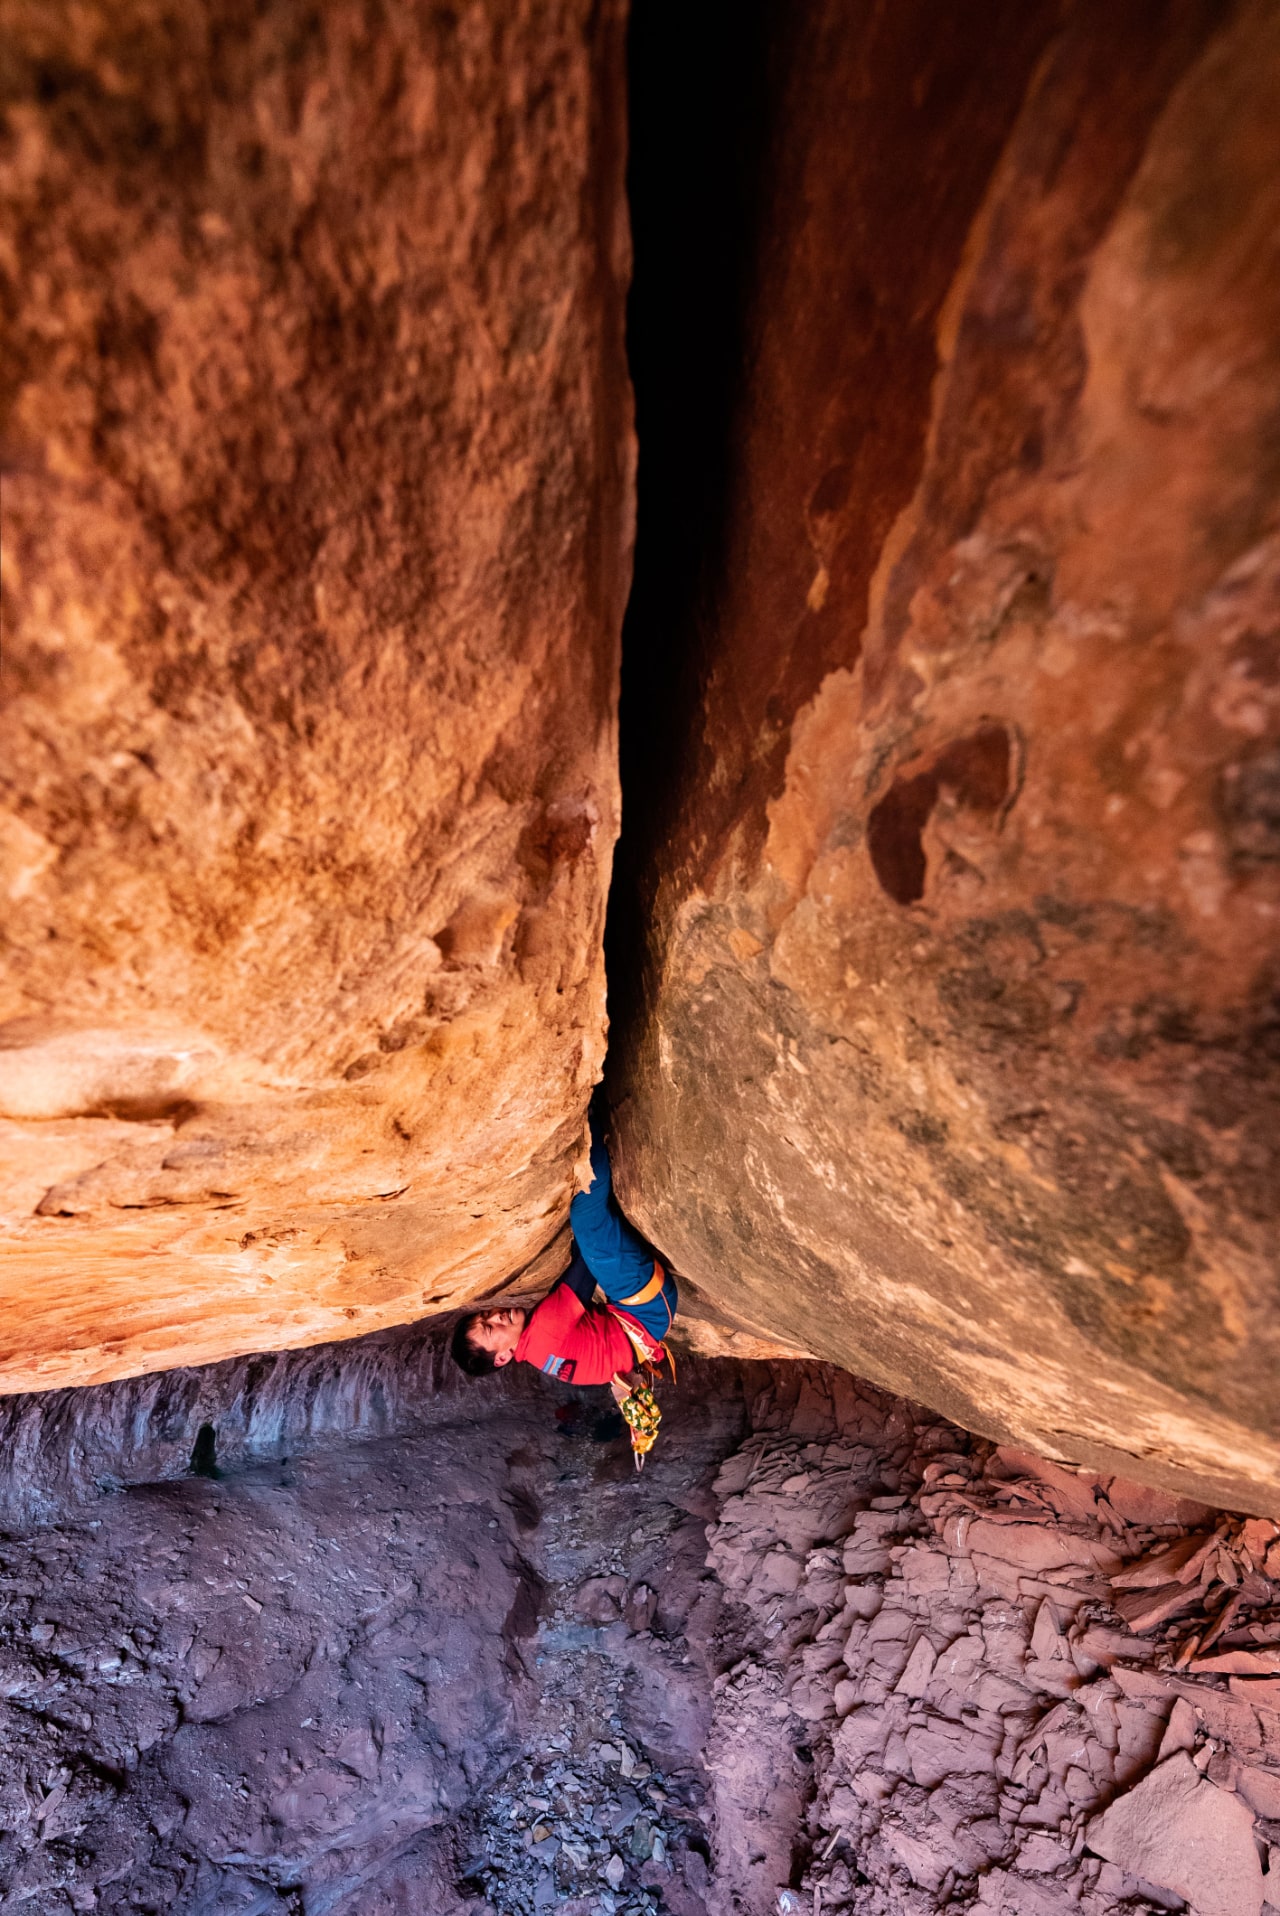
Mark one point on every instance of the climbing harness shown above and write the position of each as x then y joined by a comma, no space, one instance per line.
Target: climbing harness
649,1351
640,1407
648,1354
643,1417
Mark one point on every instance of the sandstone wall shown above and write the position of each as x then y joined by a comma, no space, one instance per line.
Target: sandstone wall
317,475
956,1051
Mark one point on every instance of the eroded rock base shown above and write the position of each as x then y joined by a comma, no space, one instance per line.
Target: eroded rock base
1025,1691
371,1640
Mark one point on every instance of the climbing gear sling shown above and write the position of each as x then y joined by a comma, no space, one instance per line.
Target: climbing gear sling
640,1407
643,1417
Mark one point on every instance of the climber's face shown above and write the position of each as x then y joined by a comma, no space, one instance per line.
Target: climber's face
497,1332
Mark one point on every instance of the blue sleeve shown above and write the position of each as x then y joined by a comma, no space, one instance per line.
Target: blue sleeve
578,1278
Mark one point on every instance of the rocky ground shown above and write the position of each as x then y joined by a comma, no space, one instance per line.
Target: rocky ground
826,1655
463,1663
1029,1691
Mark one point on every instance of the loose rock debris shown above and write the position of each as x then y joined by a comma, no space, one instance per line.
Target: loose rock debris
1026,1690
829,1657
604,1835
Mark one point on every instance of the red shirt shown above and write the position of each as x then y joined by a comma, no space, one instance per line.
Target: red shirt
576,1343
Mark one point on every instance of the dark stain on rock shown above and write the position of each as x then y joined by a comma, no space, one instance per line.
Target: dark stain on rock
994,1010
521,1620
920,1127
1113,1253
204,1453
975,772
1249,801
524,1507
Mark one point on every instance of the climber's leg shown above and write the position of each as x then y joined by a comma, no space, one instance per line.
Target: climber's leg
615,1253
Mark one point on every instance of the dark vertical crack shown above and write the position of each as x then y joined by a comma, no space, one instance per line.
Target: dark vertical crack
703,87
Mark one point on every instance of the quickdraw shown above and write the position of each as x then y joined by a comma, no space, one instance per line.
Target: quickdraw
643,1417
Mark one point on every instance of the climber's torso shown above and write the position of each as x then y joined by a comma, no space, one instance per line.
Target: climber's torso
573,1342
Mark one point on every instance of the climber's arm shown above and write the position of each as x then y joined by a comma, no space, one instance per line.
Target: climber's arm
578,1279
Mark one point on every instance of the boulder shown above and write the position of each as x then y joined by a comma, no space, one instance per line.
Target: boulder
317,502
1179,1831
953,1054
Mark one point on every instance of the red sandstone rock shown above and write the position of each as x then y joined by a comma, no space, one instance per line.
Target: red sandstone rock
958,1756
599,1600
317,517
1181,1561
957,1062
1254,1663
1261,1791
1145,1609
1181,1833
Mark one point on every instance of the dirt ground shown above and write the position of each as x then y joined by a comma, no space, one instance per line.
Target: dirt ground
339,1634
336,1680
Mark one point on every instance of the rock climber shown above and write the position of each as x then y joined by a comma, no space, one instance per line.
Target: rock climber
568,1336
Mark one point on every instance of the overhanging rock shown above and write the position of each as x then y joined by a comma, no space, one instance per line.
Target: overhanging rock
955,1054
317,531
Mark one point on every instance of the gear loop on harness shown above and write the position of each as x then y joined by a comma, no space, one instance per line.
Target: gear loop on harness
643,1416
640,1407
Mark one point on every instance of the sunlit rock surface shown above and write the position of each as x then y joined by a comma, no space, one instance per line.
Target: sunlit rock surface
956,1060
317,517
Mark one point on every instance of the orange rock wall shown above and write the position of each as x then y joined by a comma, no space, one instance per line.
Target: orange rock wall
317,495
957,1045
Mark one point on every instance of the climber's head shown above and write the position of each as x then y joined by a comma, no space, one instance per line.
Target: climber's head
486,1340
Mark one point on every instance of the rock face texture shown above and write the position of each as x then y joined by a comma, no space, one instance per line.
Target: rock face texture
956,1053
316,445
